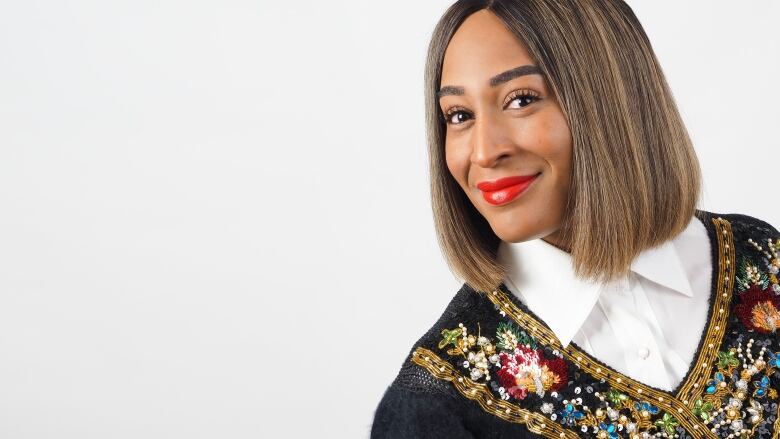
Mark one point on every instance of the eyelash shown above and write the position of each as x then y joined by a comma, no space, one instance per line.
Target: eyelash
515,95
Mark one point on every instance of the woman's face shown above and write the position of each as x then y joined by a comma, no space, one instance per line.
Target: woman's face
502,125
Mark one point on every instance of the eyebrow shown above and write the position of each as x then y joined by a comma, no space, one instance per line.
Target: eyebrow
494,81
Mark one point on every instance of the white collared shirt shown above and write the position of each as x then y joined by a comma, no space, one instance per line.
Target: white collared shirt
646,326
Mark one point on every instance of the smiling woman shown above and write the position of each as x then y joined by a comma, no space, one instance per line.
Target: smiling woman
523,89
598,301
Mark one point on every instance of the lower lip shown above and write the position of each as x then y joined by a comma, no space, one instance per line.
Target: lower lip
507,194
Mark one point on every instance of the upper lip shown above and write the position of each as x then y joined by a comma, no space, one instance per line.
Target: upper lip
494,185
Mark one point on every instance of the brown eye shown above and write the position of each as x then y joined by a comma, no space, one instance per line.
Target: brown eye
455,117
526,98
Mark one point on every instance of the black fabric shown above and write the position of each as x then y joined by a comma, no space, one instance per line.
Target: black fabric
419,405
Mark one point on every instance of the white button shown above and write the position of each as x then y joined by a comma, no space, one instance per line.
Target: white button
643,352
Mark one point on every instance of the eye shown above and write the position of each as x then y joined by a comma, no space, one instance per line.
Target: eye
526,96
455,112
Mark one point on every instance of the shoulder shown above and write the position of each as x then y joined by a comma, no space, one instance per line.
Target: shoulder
752,275
756,245
750,226
417,403
464,306
467,305
749,233
755,252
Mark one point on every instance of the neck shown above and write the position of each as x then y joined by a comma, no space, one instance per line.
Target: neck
556,245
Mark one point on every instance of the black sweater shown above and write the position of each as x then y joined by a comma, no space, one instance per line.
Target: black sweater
490,368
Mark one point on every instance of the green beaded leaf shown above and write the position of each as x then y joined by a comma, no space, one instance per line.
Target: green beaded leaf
616,398
726,360
450,336
667,423
702,409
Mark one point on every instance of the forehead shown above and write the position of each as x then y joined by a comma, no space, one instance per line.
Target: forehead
481,47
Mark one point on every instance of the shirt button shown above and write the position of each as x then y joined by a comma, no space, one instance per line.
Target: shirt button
643,352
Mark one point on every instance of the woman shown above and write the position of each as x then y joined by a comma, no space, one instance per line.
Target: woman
599,301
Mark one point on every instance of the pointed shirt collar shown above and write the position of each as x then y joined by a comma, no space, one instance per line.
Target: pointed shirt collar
542,275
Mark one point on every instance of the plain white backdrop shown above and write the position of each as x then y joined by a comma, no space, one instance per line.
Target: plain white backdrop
215,219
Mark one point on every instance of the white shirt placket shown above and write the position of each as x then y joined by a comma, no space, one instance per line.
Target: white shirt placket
621,304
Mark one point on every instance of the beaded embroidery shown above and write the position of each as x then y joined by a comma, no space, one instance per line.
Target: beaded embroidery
520,365
759,294
739,393
524,375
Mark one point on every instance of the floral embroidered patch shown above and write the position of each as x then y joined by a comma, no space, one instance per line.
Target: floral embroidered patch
516,359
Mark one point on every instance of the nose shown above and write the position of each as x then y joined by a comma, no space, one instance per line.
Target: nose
490,145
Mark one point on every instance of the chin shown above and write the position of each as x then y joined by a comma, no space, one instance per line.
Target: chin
513,237
516,228
512,233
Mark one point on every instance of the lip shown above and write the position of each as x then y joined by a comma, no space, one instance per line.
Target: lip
505,189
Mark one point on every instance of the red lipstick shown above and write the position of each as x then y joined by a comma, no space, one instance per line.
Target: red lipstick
506,189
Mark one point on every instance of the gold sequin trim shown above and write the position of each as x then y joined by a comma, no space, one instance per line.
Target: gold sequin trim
479,392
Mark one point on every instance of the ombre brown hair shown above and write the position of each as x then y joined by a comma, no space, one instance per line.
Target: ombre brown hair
635,179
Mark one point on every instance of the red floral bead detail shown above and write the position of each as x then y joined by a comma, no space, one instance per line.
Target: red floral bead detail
759,309
526,370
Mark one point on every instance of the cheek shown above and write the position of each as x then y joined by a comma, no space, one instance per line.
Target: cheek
553,140
457,163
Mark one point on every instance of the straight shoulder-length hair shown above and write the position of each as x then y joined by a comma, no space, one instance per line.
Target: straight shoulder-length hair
635,179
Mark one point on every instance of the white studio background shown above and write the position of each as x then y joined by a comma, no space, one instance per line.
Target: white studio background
214,216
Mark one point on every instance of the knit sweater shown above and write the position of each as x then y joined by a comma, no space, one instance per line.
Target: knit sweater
490,368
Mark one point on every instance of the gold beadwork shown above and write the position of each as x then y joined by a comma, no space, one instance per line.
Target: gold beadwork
717,323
